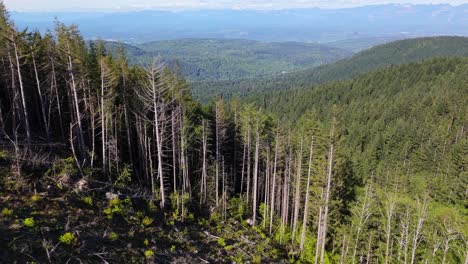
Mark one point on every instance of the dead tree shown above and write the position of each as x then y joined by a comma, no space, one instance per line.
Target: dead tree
297,193
306,204
255,172
273,182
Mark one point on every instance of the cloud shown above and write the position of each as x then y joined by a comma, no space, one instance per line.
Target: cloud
203,4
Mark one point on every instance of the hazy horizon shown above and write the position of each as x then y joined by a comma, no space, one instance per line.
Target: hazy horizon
122,5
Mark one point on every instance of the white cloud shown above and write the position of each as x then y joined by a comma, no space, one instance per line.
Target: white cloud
203,4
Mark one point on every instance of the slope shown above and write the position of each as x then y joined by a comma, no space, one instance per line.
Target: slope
398,52
414,113
217,59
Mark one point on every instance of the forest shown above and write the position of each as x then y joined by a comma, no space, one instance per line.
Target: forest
102,160
393,53
217,59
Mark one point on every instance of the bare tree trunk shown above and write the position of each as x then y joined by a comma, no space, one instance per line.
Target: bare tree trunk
129,135
72,145
306,205
158,133
343,250
388,227
203,190
57,98
403,243
92,117
327,201
41,100
248,165
417,232
267,190
217,153
223,197
288,189
364,215
255,174
150,157
272,199
243,170
319,229
285,201
103,123
75,98
23,97
297,194
369,248
174,153
15,103
184,165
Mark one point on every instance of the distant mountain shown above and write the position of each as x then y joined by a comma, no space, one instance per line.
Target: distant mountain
218,59
303,25
394,53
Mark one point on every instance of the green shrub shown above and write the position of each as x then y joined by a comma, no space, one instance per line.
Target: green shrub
113,236
88,200
68,238
228,248
7,212
149,253
259,231
237,258
125,177
146,221
221,242
257,260
139,214
202,222
35,198
115,207
152,207
29,222
3,155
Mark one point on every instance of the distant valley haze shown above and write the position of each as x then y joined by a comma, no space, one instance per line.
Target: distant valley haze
268,21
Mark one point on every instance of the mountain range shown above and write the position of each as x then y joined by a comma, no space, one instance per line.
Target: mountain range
304,25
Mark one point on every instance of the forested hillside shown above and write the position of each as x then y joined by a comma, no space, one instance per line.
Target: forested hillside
218,59
360,44
102,161
414,113
395,53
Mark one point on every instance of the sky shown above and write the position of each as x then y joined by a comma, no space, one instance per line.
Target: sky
45,5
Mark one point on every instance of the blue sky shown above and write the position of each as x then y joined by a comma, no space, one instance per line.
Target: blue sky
43,5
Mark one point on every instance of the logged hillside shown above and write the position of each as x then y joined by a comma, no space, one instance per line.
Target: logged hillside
218,59
395,53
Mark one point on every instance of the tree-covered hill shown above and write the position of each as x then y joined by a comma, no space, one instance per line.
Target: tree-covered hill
414,113
220,59
358,44
398,52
